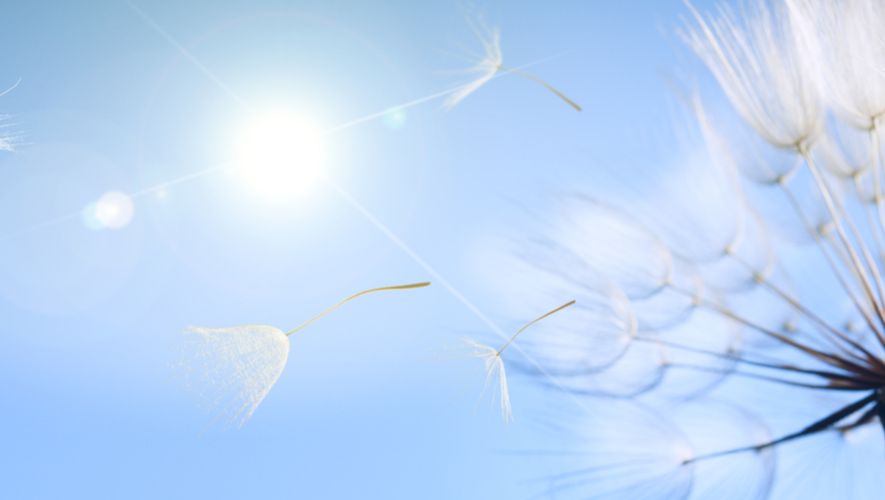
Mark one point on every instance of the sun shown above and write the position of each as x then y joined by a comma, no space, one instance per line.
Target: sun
279,155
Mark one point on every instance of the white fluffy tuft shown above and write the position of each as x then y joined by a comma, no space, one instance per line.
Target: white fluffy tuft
760,66
236,367
486,68
494,370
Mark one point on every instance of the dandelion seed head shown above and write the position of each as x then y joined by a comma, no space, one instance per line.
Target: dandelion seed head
751,280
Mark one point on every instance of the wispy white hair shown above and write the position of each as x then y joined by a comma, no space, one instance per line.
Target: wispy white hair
486,66
845,38
235,368
7,139
762,69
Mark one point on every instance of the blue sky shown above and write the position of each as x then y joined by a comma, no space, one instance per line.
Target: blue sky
377,400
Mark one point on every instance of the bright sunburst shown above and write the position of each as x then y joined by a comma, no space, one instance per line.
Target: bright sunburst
279,155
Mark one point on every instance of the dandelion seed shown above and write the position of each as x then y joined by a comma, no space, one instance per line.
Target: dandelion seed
616,449
583,220
494,364
239,365
492,63
760,66
488,66
846,40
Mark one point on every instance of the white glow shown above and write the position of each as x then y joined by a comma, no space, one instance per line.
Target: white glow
279,155
114,210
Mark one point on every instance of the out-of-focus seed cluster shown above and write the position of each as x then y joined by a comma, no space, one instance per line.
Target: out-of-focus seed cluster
728,339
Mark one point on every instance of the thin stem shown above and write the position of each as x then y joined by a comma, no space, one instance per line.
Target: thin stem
359,294
819,426
875,226
880,406
868,258
537,79
837,220
761,364
815,318
827,358
829,258
767,378
861,307
877,174
868,356
532,322
864,419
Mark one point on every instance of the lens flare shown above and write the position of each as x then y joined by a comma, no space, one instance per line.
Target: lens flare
113,210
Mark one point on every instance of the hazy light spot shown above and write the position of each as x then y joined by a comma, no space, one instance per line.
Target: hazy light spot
395,118
113,210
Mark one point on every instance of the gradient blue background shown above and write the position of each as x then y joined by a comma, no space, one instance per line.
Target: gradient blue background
377,400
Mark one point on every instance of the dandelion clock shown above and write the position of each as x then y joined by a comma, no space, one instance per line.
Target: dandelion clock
739,295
